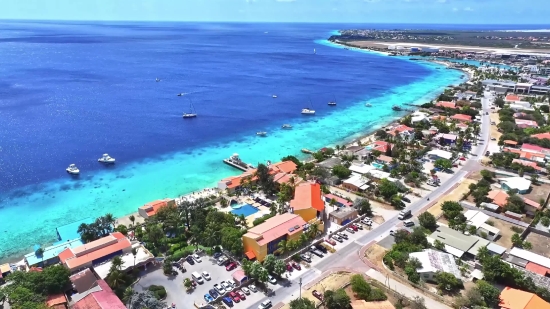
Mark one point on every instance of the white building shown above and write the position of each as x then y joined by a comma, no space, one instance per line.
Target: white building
361,168
356,183
477,219
419,116
434,261
520,184
439,154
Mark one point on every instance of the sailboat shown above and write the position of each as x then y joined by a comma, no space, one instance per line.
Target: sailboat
192,114
307,110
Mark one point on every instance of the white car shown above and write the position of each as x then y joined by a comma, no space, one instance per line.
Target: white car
225,286
265,304
252,287
343,235
245,290
206,275
219,289
337,238
392,233
272,280
197,258
350,230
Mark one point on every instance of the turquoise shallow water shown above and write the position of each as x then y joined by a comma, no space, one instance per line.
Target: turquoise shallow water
32,217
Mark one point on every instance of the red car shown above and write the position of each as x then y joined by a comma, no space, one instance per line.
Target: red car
231,266
296,265
330,241
317,295
353,227
241,295
462,159
289,267
234,297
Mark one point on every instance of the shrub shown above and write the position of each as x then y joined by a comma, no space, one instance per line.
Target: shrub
517,229
491,223
158,290
377,295
388,261
544,221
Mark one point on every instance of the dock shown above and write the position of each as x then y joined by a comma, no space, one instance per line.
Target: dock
236,162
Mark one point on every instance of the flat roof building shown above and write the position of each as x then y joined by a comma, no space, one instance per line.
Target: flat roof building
433,261
455,242
343,216
50,255
517,299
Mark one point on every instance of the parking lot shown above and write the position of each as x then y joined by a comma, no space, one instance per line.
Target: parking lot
176,289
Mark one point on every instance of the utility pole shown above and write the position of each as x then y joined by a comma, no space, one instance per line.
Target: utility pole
300,283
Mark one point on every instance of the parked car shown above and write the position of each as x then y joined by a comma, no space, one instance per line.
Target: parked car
217,255
213,293
252,288
296,266
197,258
305,258
220,289
317,295
343,235
493,139
265,304
208,298
487,153
222,260
321,248
350,230
228,301
246,290
330,241
226,286
289,267
206,275
234,297
358,226
353,227
392,232
271,279
337,238
241,294
231,266
408,223
314,250
190,260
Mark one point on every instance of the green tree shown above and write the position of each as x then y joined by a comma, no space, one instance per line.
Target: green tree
341,171
116,264
499,102
516,240
439,245
263,275
336,299
279,268
132,219
363,207
360,287
302,303
527,245
487,175
447,282
128,293
427,220
116,279
489,292
443,164
269,262
387,188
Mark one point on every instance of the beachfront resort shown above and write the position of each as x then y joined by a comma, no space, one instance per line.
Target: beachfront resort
437,209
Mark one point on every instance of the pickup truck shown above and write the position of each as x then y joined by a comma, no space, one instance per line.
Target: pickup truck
314,250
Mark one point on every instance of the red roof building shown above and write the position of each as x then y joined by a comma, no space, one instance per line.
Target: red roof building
524,123
150,209
462,117
380,146
534,148
541,135
512,98
103,299
445,104
307,195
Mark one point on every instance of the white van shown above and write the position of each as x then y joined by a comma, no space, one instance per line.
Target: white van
197,277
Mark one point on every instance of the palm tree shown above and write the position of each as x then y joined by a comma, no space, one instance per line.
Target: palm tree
313,230
292,245
134,253
115,279
116,263
303,239
132,219
109,219
128,293
282,246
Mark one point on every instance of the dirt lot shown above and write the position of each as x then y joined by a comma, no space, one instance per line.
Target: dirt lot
505,238
455,195
391,298
541,244
538,192
378,219
494,129
375,254
332,282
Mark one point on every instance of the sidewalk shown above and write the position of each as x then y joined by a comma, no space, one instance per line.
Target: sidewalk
405,290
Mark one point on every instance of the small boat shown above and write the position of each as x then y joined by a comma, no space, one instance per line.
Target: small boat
286,126
73,170
396,108
314,52
368,105
307,111
181,94
157,79
192,114
274,96
332,103
106,159
305,150
262,133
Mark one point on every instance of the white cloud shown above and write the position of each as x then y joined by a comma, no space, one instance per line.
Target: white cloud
468,8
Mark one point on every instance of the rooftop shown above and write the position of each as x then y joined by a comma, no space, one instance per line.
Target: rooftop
534,148
338,199
307,195
361,168
517,299
385,158
434,261
361,304
330,162
102,299
79,256
518,183
462,117
441,153
530,256
541,135
475,217
284,167
142,256
512,97
499,197
453,238
446,104
153,207
343,212
276,227
51,251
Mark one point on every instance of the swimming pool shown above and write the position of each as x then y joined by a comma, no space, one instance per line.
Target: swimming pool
377,165
244,209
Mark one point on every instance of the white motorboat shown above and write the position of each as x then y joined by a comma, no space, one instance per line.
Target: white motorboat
157,80
181,94
261,133
191,114
73,170
106,159
314,51
286,126
368,105
332,103
307,111
274,96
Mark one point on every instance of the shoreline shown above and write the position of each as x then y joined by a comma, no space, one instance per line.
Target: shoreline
363,135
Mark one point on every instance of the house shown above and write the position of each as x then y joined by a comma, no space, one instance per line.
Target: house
361,168
5,269
49,255
57,301
510,143
523,123
362,304
307,202
439,154
477,219
95,252
330,163
519,115
340,202
383,159
520,184
527,163
534,148
517,299
511,98
446,138
263,239
541,135
445,104
524,155
356,183
84,280
281,178
406,133
150,209
462,117
433,261
100,298
419,117
438,118
520,107
381,146
287,167
352,150
531,207
279,170
343,216
498,197
455,242
536,262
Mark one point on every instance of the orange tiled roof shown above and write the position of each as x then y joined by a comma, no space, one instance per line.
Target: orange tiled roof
446,104
538,269
307,195
526,163
276,227
79,256
541,135
385,158
285,167
56,299
152,207
400,128
510,142
361,304
462,117
517,299
512,97
250,255
499,197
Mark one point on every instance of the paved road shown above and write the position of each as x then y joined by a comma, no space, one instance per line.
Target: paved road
348,256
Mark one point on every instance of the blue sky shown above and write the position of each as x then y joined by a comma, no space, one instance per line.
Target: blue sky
347,11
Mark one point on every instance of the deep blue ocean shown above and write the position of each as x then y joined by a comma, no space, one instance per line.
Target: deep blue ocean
70,92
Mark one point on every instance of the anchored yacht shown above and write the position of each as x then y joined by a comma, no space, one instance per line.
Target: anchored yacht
307,111
106,159
73,170
286,126
262,133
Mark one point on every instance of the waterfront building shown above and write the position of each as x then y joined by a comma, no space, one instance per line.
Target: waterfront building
446,104
150,209
462,117
308,202
42,257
